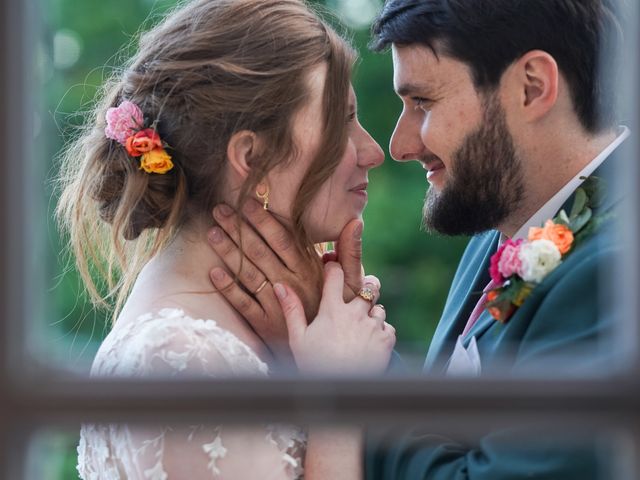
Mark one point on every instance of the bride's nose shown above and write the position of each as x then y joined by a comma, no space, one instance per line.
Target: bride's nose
370,154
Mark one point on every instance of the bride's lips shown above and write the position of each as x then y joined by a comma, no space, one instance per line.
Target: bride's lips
360,189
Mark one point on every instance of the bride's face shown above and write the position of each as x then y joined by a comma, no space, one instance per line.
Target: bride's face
344,195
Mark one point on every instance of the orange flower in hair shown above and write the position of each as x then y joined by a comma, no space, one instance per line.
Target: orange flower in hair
156,161
142,142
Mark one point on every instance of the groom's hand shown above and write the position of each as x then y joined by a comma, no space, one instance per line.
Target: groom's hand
266,257
272,256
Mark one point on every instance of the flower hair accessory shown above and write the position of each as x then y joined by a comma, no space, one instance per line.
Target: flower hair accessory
125,125
519,266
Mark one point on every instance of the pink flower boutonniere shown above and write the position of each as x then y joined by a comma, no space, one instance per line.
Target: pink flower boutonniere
519,266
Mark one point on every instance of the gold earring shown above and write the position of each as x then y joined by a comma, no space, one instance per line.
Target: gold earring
264,196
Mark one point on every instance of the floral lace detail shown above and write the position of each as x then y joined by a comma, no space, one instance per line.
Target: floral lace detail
293,442
171,344
215,450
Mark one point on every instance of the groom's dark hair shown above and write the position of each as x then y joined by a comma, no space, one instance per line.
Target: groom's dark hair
583,36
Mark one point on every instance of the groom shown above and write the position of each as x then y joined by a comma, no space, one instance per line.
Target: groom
505,108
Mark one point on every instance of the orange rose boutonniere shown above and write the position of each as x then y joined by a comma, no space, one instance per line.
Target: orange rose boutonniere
561,235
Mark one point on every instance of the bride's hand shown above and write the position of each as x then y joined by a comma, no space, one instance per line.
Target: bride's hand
348,253
345,337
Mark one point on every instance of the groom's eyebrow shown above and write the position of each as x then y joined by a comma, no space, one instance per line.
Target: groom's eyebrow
412,89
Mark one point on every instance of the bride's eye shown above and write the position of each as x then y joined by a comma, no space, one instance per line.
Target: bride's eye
351,117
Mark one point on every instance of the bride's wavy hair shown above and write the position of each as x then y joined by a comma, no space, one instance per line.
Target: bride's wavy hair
209,69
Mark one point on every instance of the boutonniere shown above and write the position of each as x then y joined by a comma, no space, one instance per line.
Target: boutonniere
519,266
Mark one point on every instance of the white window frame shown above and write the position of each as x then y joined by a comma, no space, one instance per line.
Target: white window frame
32,397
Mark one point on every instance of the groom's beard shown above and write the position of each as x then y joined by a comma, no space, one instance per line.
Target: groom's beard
485,183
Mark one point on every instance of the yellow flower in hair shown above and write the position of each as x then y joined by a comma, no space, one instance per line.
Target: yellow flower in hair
156,161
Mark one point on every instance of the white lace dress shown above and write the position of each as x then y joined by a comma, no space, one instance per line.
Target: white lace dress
170,344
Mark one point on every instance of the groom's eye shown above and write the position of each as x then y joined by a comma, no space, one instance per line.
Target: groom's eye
421,102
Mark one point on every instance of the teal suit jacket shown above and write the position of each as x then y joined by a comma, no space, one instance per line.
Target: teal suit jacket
561,328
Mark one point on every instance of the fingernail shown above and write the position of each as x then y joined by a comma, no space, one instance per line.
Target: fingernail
370,286
280,291
250,206
218,274
224,210
357,233
215,235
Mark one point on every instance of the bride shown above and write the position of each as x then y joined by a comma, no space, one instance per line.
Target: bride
236,102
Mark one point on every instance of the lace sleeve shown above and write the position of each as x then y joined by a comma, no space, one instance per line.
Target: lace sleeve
175,345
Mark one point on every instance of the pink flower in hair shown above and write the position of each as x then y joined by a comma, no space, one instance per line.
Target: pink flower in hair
123,121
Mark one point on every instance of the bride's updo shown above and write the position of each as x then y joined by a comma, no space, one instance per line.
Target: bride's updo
211,68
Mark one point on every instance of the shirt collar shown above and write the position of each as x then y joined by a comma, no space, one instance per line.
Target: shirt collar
551,208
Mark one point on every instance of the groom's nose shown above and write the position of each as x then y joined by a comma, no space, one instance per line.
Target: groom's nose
406,143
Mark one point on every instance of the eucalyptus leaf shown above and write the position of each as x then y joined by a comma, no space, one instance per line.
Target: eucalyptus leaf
579,202
562,218
595,224
595,188
581,220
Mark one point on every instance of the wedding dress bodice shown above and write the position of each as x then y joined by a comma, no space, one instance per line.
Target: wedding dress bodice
171,344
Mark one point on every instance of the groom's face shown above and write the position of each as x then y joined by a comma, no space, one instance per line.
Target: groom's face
462,140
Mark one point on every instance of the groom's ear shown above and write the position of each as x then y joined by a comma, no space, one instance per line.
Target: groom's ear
240,149
535,78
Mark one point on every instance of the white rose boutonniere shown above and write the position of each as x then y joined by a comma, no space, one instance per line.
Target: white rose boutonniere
538,259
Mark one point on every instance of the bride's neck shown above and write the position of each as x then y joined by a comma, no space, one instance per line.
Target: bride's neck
189,258
178,277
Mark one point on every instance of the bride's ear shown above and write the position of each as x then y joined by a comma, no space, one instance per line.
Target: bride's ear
241,147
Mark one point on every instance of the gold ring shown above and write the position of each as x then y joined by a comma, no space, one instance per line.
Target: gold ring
262,285
367,294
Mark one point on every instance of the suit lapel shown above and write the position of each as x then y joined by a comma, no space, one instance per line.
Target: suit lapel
485,320
470,279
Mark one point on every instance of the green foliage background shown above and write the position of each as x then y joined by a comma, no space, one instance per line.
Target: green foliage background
415,268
